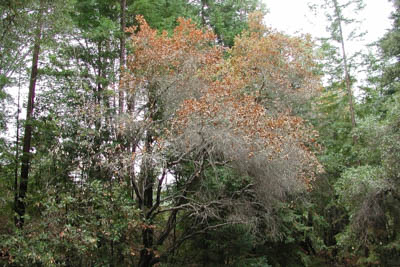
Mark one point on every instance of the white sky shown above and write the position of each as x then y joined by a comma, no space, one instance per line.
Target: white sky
293,16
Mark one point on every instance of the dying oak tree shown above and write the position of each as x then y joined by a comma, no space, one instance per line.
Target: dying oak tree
199,115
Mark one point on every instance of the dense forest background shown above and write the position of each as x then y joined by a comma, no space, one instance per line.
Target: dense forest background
187,133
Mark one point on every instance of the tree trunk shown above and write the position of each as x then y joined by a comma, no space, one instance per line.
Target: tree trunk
122,56
17,151
147,177
20,206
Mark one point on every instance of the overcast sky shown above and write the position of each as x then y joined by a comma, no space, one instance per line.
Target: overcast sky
293,15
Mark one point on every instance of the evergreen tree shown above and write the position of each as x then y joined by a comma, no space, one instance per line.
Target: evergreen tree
391,51
334,11
226,18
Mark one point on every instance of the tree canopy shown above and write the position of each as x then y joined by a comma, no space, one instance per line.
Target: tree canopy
188,133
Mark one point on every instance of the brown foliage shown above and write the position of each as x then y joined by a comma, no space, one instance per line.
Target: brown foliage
192,104
230,106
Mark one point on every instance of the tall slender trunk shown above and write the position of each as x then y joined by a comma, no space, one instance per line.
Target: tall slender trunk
346,68
17,149
122,56
20,206
146,180
203,12
99,73
147,177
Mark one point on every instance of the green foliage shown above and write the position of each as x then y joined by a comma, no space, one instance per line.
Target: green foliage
80,205
370,192
92,224
361,180
229,245
356,184
334,126
391,139
390,48
160,14
299,235
226,18
13,39
368,133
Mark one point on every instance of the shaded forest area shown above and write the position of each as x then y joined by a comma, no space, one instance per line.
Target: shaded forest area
187,133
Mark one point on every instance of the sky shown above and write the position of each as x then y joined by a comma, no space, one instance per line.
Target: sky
293,16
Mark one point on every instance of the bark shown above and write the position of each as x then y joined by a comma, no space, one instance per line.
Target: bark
20,206
99,73
122,55
147,177
146,180
17,151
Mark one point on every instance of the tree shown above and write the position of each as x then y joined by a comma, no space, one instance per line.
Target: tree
42,15
361,229
20,205
122,52
160,14
145,147
335,14
15,39
369,192
199,112
15,46
389,46
339,19
226,18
